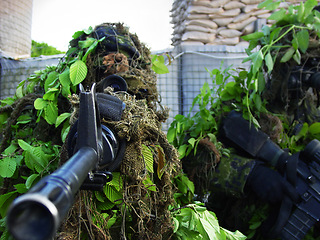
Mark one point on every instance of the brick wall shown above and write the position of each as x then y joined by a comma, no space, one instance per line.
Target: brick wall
15,27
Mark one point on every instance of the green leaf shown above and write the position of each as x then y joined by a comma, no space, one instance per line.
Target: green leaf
269,62
205,229
40,103
78,72
64,78
303,40
257,101
257,62
106,205
112,221
50,95
23,119
288,55
51,79
112,194
192,141
99,196
11,149
5,201
278,15
31,179
88,31
77,34
252,36
261,82
24,145
176,224
148,158
269,5
234,235
314,128
116,181
171,134
297,57
308,7
62,117
182,150
7,167
149,184
35,158
188,183
158,64
21,188
65,130
91,49
19,92
86,43
51,113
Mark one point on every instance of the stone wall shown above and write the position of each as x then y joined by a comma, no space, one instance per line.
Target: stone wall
217,22
15,28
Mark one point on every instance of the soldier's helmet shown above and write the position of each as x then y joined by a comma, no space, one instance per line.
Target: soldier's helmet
120,54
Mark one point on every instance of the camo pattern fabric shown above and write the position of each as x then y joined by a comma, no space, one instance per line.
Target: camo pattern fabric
231,174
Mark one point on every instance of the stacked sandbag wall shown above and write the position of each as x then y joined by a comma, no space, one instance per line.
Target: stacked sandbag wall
218,22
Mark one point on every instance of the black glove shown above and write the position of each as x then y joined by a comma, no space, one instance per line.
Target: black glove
269,185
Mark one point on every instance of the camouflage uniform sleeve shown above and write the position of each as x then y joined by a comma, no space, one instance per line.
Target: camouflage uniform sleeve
231,174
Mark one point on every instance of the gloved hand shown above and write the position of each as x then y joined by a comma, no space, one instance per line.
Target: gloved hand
269,185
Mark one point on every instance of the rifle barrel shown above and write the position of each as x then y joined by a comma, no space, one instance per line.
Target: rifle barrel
37,214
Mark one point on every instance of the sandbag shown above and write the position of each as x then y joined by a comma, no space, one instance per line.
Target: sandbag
230,13
248,2
241,25
204,10
233,5
230,33
250,8
197,16
198,36
203,23
226,41
222,21
241,17
199,29
249,28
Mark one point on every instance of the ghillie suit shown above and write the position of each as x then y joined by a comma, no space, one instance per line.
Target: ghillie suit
287,105
134,205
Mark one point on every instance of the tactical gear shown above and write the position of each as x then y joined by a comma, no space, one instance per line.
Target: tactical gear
269,185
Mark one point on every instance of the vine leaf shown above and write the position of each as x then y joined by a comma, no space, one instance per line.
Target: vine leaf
303,40
112,193
148,158
62,117
269,62
158,64
7,167
51,79
40,103
288,55
78,72
31,179
51,113
35,158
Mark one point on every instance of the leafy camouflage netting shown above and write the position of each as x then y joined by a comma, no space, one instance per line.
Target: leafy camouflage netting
135,203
